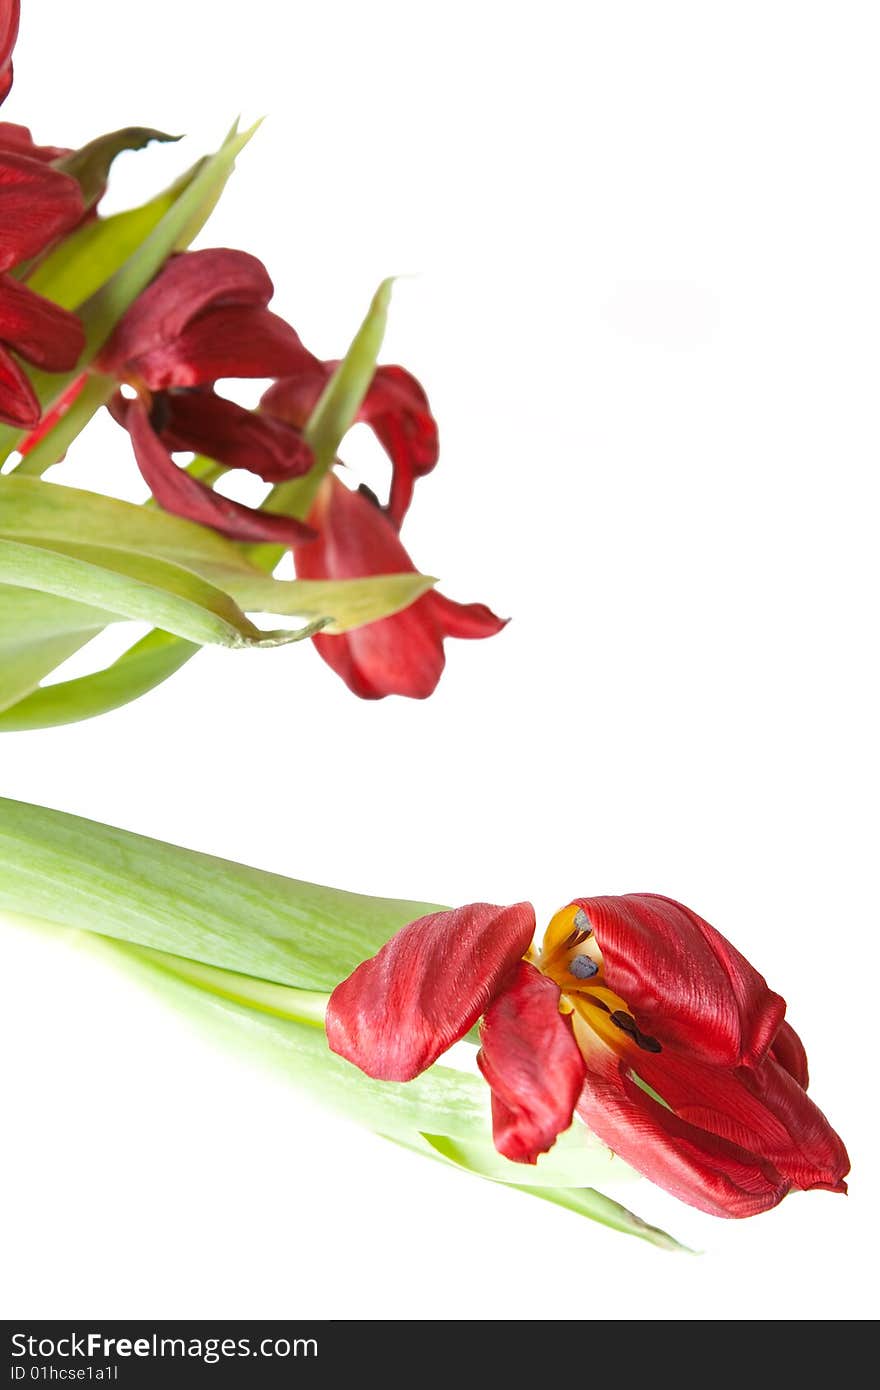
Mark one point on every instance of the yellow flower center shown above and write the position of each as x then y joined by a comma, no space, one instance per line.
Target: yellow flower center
570,956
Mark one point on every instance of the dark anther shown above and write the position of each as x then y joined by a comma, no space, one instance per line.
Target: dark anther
583,968
571,940
627,1024
160,412
624,1022
370,495
582,922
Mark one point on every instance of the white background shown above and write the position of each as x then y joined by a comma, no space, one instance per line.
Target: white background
645,304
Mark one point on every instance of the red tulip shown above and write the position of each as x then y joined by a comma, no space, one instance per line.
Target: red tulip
400,655
37,204
17,139
204,317
635,1014
395,407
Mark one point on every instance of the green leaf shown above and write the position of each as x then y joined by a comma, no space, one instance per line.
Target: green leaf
96,878
80,265
145,665
140,587
183,220
38,632
333,416
90,165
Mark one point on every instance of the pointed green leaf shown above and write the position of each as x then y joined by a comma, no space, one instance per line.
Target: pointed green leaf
90,165
139,587
145,665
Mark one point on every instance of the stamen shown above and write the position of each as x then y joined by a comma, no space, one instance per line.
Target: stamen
583,967
627,1024
582,922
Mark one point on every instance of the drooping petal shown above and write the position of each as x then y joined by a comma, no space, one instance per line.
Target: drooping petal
531,1061
400,655
37,204
426,988
9,16
790,1053
18,403
229,340
467,620
760,1109
184,495
395,407
708,1172
239,438
683,981
38,330
186,286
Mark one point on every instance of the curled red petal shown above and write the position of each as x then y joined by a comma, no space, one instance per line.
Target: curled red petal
790,1053
18,402
188,285
38,330
400,655
706,1171
397,409
9,17
239,438
37,204
682,980
228,340
760,1109
184,495
531,1061
426,988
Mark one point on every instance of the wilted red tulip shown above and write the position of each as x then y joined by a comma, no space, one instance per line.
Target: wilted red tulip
204,317
37,205
395,407
400,655
635,1013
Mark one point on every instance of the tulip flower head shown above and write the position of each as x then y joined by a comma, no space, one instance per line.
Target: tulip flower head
203,318
634,1014
37,205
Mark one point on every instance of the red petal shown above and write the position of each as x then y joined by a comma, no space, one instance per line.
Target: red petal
532,1063
230,340
708,1172
9,14
762,1110
18,403
37,204
239,438
790,1053
468,620
184,495
426,988
187,286
682,980
395,407
400,655
38,330
19,140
